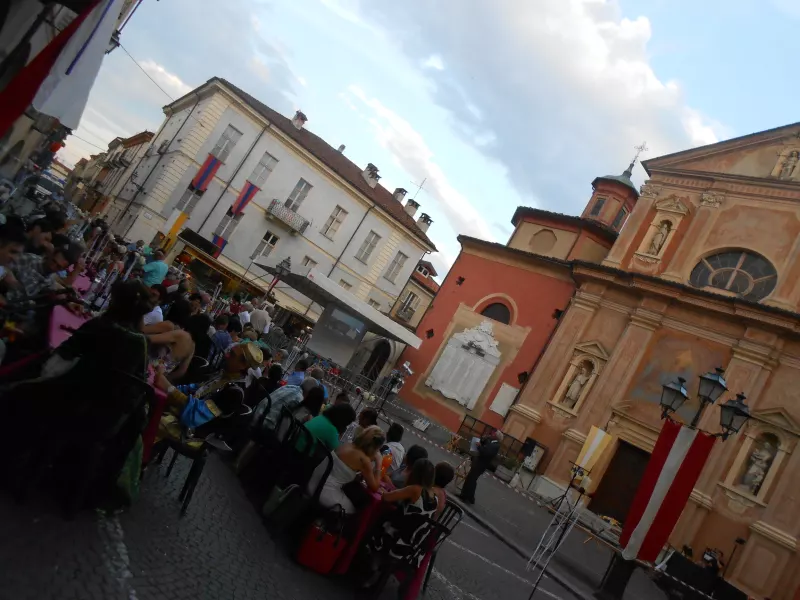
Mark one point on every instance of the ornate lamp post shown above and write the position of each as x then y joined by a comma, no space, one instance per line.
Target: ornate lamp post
733,415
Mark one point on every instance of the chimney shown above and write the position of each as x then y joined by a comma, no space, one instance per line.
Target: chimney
399,194
411,207
340,148
424,222
299,120
370,174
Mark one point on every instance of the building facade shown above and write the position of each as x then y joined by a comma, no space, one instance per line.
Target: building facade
499,305
238,185
416,297
704,275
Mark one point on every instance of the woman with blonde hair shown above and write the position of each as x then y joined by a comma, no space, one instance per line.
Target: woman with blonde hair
351,462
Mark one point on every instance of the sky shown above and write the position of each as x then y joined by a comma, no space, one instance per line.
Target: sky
493,104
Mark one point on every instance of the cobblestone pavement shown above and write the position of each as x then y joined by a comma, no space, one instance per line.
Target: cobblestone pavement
220,549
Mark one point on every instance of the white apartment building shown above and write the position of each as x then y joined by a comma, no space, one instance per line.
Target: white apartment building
219,149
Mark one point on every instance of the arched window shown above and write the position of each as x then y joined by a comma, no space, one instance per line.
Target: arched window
497,312
745,274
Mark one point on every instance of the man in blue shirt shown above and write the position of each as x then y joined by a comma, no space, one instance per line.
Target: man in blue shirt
299,374
156,271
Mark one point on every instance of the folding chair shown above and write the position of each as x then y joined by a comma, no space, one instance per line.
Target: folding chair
449,518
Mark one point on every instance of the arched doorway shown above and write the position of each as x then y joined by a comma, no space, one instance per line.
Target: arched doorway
377,360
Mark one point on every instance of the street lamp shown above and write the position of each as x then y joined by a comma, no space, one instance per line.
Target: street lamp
733,413
282,269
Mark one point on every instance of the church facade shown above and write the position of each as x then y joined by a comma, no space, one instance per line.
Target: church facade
704,274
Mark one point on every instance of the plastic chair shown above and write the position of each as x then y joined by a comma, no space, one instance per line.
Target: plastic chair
199,454
428,530
449,519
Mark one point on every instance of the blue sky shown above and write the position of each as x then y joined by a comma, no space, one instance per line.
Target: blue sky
496,103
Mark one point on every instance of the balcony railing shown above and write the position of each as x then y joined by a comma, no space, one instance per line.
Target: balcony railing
406,314
287,216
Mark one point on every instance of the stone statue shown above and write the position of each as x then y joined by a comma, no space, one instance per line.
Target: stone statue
789,165
659,238
576,386
757,468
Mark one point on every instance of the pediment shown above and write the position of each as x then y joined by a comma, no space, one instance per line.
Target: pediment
778,417
592,349
672,204
772,154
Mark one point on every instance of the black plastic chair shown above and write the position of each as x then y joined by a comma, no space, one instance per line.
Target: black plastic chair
428,530
449,518
199,454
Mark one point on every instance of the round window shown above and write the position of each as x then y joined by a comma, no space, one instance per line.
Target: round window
745,274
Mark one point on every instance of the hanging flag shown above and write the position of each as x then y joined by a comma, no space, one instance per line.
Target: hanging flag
249,191
206,173
65,91
220,243
21,90
675,465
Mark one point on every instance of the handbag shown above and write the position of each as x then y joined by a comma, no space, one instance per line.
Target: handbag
357,493
323,543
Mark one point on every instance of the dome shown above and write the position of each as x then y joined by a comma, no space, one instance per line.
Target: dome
624,179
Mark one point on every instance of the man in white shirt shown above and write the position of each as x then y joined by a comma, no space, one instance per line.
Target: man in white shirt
244,314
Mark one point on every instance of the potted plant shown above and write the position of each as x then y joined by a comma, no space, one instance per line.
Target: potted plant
507,467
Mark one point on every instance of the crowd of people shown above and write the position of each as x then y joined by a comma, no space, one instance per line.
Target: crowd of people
150,358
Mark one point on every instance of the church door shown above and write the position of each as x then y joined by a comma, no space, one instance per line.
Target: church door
614,494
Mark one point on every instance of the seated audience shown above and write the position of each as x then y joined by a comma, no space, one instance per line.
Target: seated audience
414,453
366,418
159,293
299,373
443,475
289,396
39,234
234,370
393,436
350,461
329,426
311,405
221,338
12,243
273,379
36,273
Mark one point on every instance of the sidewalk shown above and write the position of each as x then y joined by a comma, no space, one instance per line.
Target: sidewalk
519,521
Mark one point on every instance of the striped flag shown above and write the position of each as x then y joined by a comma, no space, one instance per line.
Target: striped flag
206,173
220,243
249,191
677,460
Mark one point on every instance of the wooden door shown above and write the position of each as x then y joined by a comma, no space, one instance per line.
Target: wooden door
614,494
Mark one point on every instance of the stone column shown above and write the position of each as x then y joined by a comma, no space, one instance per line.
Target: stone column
698,229
615,378
632,226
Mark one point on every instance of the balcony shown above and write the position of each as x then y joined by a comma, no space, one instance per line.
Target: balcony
287,216
405,314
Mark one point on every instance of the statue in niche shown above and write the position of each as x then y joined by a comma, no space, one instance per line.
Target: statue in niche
789,165
577,384
758,464
659,238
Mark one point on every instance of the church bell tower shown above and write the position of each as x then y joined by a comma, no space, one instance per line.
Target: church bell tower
613,197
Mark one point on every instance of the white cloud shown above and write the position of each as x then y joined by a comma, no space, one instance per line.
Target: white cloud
171,83
558,91
434,61
413,155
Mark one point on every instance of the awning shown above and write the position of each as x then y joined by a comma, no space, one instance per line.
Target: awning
317,287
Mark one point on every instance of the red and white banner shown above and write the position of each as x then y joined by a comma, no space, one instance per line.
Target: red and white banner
675,465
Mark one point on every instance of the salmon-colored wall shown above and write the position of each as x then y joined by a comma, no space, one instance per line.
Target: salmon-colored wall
534,298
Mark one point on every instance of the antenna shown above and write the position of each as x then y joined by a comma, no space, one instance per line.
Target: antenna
419,188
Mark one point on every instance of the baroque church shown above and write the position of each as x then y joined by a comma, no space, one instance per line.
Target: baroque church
578,321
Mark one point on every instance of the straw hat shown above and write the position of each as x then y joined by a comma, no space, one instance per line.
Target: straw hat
253,354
